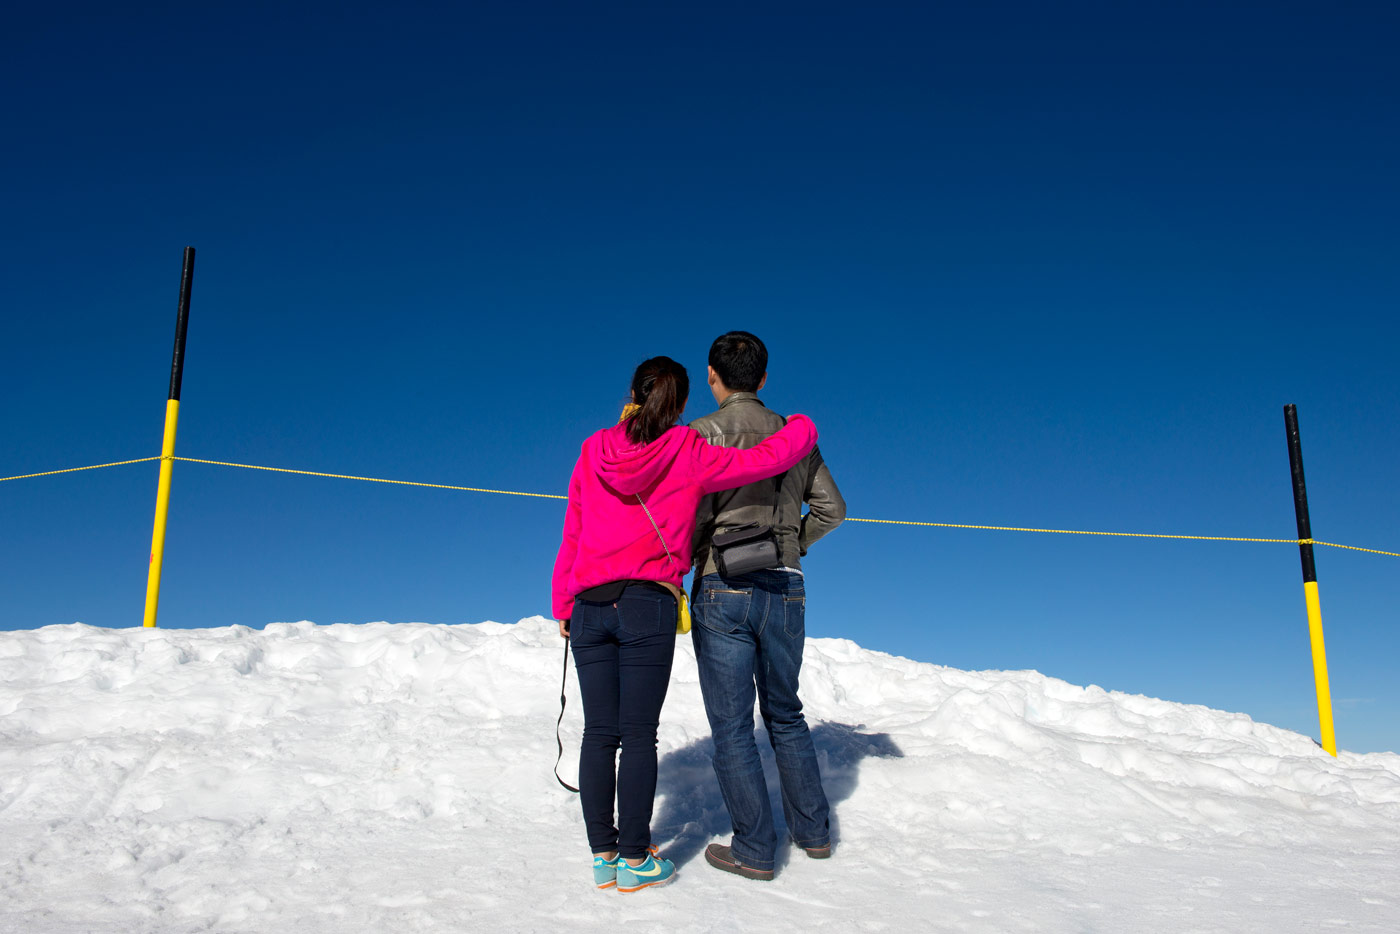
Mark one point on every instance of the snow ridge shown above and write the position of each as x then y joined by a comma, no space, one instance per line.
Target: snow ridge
397,777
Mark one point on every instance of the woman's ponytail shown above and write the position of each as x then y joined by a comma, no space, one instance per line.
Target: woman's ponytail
660,386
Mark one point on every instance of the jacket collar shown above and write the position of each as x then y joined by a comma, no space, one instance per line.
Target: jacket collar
734,397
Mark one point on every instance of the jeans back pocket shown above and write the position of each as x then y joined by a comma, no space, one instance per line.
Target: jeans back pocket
722,609
642,611
795,612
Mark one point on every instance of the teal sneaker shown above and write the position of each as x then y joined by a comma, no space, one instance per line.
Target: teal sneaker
655,871
605,871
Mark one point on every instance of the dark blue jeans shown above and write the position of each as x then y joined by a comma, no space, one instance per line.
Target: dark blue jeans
623,654
748,632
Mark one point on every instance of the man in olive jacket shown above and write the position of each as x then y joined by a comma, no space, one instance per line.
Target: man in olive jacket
750,628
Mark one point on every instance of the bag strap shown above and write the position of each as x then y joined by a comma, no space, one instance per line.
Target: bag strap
656,529
777,496
562,701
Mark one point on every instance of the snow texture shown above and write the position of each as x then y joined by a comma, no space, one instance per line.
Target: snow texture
397,778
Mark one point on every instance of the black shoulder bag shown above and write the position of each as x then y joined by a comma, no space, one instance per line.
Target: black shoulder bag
752,547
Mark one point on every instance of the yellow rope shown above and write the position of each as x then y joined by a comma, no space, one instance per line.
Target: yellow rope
341,476
1008,528
935,525
1354,548
50,473
1194,538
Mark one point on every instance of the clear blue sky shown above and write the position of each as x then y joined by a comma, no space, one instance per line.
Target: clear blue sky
1025,264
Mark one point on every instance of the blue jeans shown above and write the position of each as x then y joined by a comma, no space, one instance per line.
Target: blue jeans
748,634
623,654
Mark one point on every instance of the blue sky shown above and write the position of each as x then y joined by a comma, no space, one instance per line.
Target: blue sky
1034,265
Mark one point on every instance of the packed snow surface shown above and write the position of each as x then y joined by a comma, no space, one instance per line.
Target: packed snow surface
398,778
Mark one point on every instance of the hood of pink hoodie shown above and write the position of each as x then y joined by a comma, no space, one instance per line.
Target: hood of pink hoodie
631,468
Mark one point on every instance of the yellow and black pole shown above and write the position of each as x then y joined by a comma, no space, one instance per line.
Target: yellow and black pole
1305,546
167,448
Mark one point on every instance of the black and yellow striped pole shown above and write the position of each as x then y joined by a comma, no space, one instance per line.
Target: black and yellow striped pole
1305,547
167,448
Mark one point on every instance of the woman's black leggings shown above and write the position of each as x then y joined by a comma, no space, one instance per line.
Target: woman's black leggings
623,652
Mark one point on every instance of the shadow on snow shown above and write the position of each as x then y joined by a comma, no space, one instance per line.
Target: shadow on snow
693,813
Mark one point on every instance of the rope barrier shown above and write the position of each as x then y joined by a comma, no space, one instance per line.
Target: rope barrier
1194,538
1348,547
50,473
341,476
1008,528
936,525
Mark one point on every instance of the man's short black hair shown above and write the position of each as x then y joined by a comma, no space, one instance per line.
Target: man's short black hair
740,360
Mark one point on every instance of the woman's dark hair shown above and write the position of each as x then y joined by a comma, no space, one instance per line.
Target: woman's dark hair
740,360
660,386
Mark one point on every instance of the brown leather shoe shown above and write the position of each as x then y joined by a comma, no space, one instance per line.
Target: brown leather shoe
818,852
721,857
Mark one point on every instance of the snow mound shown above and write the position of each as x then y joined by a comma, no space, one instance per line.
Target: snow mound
397,778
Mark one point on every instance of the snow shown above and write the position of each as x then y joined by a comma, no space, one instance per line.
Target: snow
397,778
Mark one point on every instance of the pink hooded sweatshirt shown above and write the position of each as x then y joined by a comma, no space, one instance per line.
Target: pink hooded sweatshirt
607,536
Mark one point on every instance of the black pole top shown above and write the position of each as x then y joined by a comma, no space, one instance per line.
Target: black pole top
1300,490
182,317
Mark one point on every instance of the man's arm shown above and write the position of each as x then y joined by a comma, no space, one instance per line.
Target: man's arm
826,507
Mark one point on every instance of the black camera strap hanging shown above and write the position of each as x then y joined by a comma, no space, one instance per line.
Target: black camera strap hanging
563,699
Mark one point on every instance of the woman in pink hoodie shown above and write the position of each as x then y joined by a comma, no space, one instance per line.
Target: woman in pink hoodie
626,549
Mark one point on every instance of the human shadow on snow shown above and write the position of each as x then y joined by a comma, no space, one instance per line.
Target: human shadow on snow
692,812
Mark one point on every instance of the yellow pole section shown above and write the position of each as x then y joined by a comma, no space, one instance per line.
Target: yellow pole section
1319,657
167,465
